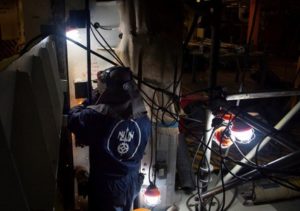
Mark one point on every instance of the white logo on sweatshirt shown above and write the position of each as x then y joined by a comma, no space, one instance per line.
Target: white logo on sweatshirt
125,137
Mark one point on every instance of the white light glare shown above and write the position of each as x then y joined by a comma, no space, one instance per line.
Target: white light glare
152,201
73,34
243,137
152,196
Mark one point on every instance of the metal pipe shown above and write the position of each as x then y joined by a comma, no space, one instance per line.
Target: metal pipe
246,96
88,45
286,161
251,154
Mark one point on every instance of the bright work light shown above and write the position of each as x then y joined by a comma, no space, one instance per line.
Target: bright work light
152,195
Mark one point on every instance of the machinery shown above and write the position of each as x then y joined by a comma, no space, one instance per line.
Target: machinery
31,121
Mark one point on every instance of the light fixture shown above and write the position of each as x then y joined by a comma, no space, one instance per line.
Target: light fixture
241,132
152,195
221,137
237,131
221,134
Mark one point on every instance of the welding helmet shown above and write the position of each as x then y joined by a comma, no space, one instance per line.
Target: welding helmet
118,88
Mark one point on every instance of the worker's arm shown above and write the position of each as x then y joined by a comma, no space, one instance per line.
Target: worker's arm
80,123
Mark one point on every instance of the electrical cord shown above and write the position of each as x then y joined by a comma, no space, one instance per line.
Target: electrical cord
113,55
188,200
232,199
156,141
258,147
116,56
98,25
223,185
194,158
32,42
211,201
241,153
219,175
221,166
151,146
234,175
273,178
204,159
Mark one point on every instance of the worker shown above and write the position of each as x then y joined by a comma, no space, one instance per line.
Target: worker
116,128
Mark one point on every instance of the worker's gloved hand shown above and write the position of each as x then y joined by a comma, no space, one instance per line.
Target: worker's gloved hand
86,103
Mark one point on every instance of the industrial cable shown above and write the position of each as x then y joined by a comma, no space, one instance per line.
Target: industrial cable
154,104
222,182
31,42
234,175
163,108
98,25
173,96
194,158
262,167
241,153
188,200
155,145
211,201
151,146
222,162
219,175
117,57
229,171
273,178
258,147
232,199
208,168
113,55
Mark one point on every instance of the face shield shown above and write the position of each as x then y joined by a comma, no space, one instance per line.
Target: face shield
117,88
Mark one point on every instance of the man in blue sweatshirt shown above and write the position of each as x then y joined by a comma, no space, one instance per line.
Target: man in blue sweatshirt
116,129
